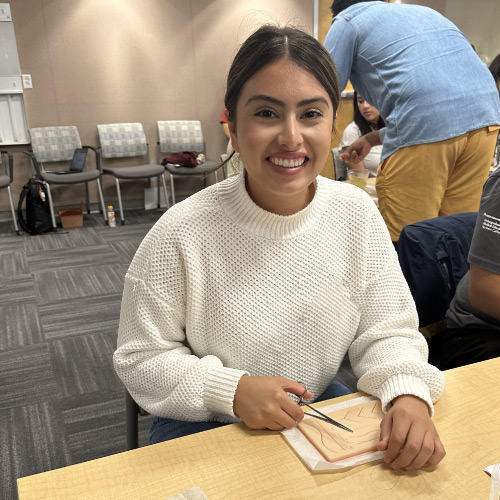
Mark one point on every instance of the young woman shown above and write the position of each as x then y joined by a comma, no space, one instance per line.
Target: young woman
206,340
366,119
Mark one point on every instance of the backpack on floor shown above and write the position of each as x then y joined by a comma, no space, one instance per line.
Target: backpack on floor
38,219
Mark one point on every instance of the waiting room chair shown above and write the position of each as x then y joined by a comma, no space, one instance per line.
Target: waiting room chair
339,166
125,140
6,179
433,256
58,144
182,135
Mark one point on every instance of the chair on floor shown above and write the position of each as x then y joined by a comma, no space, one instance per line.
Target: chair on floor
6,179
126,140
183,135
433,256
132,412
339,166
58,144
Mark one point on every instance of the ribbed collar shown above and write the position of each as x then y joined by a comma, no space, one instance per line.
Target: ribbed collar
242,210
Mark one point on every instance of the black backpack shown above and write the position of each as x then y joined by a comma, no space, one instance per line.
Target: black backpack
38,219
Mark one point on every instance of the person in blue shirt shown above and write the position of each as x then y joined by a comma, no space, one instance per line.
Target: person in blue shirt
437,98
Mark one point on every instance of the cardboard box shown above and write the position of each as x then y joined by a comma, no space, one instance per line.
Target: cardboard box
71,217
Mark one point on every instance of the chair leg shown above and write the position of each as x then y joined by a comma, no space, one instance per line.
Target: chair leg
101,199
13,211
164,190
216,177
87,197
172,188
122,217
131,418
51,207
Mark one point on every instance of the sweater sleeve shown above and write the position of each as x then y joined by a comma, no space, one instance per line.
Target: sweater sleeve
153,357
389,354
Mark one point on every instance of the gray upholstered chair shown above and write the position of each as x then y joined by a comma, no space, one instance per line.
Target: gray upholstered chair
339,166
182,135
6,179
58,144
123,140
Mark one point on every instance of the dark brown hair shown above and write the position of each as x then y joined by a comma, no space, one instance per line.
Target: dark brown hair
271,43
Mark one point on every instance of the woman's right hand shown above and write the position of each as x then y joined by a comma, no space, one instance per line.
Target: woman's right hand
263,402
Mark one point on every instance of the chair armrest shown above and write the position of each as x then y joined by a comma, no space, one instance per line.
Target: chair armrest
97,159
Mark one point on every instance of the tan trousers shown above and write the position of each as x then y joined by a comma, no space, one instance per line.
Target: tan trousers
440,178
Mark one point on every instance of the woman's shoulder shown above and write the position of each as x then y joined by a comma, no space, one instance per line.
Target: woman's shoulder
351,133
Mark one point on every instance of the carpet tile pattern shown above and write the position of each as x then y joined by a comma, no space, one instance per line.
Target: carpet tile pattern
61,402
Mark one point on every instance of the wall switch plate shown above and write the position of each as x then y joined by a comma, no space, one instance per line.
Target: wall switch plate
27,83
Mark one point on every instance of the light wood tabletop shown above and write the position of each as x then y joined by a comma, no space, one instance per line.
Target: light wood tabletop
234,463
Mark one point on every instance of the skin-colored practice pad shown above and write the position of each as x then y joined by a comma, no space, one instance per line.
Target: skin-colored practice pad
336,444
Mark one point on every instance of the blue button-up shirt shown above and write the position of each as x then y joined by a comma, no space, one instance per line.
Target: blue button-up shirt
417,68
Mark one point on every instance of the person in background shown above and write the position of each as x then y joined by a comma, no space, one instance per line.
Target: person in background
473,318
204,341
439,137
366,119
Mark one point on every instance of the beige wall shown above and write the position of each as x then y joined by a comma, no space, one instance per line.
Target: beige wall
95,61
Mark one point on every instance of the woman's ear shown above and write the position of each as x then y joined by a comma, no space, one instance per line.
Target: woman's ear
232,133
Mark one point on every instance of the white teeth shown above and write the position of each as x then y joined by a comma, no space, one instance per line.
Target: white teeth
287,162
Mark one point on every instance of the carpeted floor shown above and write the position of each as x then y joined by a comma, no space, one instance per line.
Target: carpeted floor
61,402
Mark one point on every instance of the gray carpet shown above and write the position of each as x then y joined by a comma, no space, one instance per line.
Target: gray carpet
61,402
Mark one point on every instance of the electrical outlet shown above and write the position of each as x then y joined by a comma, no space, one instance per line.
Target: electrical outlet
27,83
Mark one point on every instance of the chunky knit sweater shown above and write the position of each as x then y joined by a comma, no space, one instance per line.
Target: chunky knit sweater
220,288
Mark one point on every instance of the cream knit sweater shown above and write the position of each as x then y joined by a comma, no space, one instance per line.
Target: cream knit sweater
220,288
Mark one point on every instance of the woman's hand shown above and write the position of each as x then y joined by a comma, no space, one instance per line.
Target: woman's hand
358,150
263,402
408,435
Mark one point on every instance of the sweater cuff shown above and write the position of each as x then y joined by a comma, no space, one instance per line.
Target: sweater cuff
220,386
404,384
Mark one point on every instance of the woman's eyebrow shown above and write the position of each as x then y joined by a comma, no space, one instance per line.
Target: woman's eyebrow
278,102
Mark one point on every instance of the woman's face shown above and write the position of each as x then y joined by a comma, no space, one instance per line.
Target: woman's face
283,127
369,113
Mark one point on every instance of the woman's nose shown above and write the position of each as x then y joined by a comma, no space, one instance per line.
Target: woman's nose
290,134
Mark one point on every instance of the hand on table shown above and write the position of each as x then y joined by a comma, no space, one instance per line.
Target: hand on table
263,402
408,435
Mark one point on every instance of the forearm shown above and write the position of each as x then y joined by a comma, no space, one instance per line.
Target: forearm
484,291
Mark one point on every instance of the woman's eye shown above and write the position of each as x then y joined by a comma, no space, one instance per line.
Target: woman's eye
313,113
265,113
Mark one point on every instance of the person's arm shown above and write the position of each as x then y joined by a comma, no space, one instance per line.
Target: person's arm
358,150
389,355
153,357
340,41
484,291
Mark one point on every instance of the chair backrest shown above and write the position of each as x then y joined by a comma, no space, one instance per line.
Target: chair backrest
54,143
339,166
180,135
433,256
119,140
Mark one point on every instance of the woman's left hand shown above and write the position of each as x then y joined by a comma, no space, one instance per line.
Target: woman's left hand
408,435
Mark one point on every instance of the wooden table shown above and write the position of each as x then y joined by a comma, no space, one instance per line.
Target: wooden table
234,463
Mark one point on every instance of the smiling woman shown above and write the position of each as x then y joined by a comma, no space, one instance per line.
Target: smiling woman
272,275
